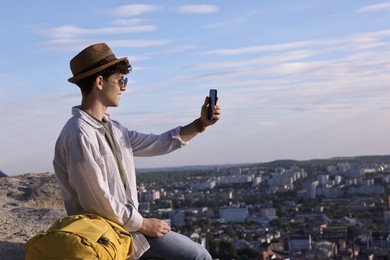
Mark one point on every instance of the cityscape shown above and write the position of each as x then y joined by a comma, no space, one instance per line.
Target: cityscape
317,209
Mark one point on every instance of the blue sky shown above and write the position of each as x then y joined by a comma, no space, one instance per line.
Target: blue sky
296,79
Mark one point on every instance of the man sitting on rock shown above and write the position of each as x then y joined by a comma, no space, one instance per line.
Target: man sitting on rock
94,156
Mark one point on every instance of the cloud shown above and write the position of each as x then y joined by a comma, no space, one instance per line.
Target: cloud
278,57
137,43
71,31
134,10
328,76
70,44
179,49
67,44
132,21
374,8
367,40
70,37
259,48
238,20
354,42
197,9
137,58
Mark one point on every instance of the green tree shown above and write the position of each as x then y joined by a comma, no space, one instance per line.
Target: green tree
352,232
231,232
227,250
248,237
248,253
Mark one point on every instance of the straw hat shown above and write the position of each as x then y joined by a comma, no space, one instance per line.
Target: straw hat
91,60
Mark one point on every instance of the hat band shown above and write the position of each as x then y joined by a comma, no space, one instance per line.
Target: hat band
106,60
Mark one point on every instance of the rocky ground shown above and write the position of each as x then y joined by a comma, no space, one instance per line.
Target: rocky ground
29,204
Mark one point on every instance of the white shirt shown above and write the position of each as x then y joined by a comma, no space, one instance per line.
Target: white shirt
88,174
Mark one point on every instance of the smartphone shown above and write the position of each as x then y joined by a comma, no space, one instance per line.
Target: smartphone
212,103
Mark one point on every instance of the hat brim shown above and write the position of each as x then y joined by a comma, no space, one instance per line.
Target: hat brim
83,75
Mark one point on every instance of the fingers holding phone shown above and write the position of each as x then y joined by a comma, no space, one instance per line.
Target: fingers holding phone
210,112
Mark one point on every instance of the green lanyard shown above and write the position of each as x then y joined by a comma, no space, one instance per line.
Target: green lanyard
114,149
109,137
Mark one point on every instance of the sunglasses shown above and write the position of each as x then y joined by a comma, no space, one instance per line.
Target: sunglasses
121,83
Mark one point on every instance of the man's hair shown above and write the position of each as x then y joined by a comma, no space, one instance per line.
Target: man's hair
86,84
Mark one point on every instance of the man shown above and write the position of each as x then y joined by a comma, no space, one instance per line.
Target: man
94,161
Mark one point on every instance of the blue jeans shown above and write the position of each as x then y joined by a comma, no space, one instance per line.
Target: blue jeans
175,246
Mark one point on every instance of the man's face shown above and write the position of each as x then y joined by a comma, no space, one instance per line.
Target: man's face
112,89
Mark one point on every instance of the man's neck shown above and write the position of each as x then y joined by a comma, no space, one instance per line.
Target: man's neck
94,108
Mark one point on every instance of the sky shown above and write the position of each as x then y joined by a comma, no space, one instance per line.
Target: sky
296,79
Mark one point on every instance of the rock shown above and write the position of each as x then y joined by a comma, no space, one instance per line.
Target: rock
29,204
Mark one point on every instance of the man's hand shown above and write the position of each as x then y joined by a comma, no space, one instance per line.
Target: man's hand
199,125
153,227
204,114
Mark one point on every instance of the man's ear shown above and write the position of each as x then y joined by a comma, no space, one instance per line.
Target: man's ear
99,82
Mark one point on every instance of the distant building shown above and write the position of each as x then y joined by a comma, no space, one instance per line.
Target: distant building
144,207
244,178
235,171
177,218
257,180
386,216
331,168
149,195
323,179
388,201
313,189
233,214
336,234
299,243
209,184
198,238
268,212
2,174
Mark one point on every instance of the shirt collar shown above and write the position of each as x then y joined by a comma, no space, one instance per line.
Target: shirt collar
78,112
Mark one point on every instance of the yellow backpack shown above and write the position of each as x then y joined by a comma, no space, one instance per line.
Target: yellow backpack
84,237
